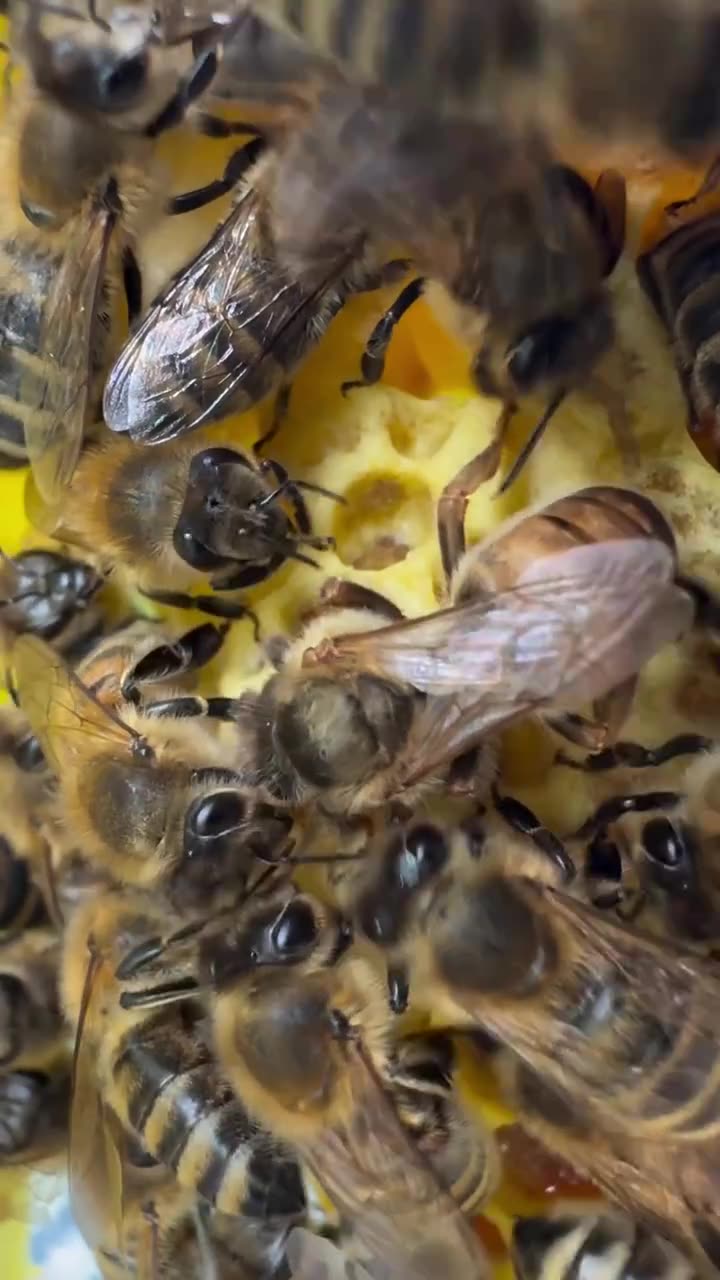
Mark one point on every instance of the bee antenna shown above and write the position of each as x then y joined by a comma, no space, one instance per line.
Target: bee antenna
531,442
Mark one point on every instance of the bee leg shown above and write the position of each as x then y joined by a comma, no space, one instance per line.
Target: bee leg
454,498
132,284
190,86
191,706
282,401
610,810
576,729
217,608
211,126
293,489
338,593
236,166
372,364
398,983
634,756
193,650
523,820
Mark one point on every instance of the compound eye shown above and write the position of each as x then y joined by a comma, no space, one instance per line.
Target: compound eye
120,82
296,930
217,815
663,843
425,854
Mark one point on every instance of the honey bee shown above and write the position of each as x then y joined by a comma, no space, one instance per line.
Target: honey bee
512,249
610,1246
562,69
183,517
31,1027
52,595
24,793
145,1082
362,712
676,270
146,792
202,353
80,194
622,1087
651,855
34,1108
301,1031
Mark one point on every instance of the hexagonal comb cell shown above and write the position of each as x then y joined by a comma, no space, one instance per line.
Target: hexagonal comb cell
385,516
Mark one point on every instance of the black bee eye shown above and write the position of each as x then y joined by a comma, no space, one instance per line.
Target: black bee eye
424,854
664,843
217,814
296,930
120,81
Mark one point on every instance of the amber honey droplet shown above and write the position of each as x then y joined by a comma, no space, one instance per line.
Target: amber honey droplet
532,1170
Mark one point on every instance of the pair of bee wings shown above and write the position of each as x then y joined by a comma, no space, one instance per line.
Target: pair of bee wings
189,337
58,398
405,1224
575,625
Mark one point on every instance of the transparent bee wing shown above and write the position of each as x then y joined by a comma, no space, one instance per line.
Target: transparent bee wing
209,336
57,390
575,624
95,1163
406,1225
62,713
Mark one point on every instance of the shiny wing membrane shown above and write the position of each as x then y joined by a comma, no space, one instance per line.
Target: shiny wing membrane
388,1194
62,713
58,396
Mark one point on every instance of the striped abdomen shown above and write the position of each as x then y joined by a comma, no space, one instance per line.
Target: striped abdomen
26,273
166,1087
681,275
606,1246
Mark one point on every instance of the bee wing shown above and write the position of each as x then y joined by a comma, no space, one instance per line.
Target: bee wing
57,398
95,1162
62,713
312,1257
189,336
574,625
388,1193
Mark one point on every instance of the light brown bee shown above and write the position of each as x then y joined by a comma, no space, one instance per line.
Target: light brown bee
146,1089
302,1032
545,614
145,792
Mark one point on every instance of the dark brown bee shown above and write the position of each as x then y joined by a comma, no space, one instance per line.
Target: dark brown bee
184,518
578,66
512,248
84,181
235,323
34,1112
53,596
624,1088
571,1242
678,270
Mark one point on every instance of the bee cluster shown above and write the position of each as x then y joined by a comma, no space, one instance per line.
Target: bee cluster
273,921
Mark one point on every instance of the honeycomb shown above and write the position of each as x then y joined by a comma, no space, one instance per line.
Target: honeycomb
388,452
